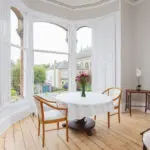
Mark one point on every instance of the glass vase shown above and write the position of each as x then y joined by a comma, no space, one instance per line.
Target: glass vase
83,91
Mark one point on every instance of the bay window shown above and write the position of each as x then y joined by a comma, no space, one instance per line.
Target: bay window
17,55
84,53
50,58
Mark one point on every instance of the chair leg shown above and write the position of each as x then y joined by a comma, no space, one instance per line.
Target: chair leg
43,138
38,126
95,117
108,114
144,147
67,137
119,116
57,125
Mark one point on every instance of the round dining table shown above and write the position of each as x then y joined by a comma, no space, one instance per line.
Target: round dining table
81,109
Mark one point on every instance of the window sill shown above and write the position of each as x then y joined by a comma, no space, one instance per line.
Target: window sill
14,112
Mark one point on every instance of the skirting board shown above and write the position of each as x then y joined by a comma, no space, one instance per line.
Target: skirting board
142,109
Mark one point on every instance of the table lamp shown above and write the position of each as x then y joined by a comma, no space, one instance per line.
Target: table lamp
138,74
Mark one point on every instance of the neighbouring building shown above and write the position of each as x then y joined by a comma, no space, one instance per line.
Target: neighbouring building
57,74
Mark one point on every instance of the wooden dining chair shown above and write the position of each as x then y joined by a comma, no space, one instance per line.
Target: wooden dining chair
54,115
116,94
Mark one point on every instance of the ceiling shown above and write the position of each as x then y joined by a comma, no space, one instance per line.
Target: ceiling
134,2
77,9
77,4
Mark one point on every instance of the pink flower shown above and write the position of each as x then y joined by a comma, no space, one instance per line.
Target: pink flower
82,78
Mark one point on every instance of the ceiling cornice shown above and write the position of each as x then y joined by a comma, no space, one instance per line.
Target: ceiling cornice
61,4
134,2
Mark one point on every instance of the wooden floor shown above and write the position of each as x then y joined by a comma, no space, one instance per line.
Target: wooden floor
124,136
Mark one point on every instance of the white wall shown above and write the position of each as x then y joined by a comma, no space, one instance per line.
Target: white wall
127,45
128,51
136,47
104,48
53,77
143,41
141,29
4,52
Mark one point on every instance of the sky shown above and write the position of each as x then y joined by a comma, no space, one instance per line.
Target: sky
48,37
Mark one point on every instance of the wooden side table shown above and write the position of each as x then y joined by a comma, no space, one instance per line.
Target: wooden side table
148,101
129,105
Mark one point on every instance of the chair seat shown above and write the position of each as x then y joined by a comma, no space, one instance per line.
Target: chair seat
146,139
53,115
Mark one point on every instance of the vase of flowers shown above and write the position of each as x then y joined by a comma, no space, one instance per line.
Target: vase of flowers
82,79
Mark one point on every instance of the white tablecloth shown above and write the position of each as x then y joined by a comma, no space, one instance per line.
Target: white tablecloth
79,107
146,139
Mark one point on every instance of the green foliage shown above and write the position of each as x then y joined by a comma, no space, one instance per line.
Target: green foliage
46,66
16,77
87,87
13,92
39,74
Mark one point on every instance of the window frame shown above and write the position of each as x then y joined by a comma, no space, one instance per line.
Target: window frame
46,51
82,63
20,47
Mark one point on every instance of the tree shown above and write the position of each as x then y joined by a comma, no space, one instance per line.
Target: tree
15,77
39,74
46,66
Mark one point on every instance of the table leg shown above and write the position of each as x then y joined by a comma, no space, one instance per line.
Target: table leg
129,101
146,102
126,101
144,147
89,132
130,105
148,98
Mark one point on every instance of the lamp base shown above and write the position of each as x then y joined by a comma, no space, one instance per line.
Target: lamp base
138,87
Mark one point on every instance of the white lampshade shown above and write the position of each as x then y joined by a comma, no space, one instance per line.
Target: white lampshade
138,72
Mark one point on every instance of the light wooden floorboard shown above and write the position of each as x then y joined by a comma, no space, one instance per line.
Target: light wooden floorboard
19,141
123,136
2,142
9,139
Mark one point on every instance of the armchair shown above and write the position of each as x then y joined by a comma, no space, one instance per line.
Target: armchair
54,115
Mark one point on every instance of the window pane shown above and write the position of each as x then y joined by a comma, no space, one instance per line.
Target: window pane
84,53
15,39
84,39
49,37
50,73
16,74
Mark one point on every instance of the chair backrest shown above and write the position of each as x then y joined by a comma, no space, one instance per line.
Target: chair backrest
116,94
39,105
